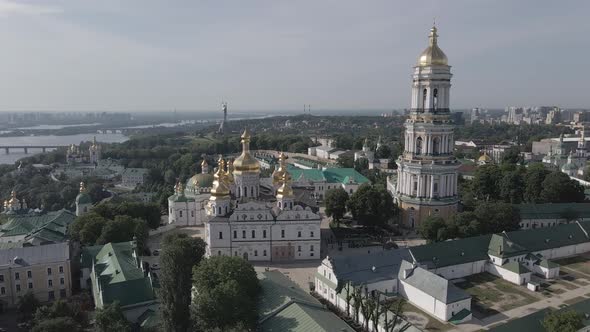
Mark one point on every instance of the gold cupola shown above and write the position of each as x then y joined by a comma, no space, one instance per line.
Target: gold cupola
246,162
285,190
277,175
432,55
220,185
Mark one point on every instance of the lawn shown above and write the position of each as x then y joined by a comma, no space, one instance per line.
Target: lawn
578,263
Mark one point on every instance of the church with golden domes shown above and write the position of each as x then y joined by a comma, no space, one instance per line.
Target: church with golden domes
427,169
259,221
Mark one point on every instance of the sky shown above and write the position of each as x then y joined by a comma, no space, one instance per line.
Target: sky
147,55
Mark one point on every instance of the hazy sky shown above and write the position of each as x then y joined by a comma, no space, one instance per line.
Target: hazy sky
338,54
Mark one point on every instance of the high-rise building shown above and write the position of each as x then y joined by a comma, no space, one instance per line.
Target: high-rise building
427,169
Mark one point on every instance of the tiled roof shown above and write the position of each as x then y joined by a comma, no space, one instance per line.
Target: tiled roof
286,307
368,268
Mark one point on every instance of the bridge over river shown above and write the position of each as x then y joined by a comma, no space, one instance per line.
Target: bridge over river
26,148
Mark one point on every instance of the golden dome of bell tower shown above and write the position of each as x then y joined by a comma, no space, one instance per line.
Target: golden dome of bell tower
432,55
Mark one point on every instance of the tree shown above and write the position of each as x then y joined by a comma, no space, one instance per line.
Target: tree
394,318
121,229
512,156
559,188
485,182
27,305
336,204
371,205
110,318
383,152
464,224
141,235
533,183
511,187
361,164
87,228
226,293
58,324
433,228
178,256
497,217
563,321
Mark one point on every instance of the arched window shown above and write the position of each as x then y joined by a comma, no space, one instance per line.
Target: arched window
419,145
218,209
424,93
245,191
435,99
435,145
251,191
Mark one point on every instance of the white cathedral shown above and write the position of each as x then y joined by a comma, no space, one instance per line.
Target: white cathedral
572,163
244,218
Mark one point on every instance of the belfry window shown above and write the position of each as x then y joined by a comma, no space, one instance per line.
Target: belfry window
435,145
435,99
424,93
419,145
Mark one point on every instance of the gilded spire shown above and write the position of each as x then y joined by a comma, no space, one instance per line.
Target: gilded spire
220,184
277,175
432,55
285,190
246,162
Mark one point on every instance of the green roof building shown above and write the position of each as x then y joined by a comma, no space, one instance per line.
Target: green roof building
36,228
323,180
116,273
286,307
551,214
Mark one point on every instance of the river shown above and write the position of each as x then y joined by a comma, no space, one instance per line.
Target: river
17,154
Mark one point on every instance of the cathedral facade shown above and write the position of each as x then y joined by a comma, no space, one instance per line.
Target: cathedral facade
427,169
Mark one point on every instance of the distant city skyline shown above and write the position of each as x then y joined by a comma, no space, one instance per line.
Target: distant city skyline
67,55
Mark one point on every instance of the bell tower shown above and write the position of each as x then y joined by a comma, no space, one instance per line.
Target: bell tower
427,169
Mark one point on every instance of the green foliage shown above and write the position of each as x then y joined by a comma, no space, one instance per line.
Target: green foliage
511,187
485,182
121,229
345,161
563,321
488,217
149,212
559,188
26,306
336,203
58,324
361,164
226,294
110,318
180,253
371,205
533,181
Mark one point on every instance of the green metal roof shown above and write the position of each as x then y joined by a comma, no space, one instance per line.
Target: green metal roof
286,307
182,198
440,254
501,246
553,210
460,316
119,276
330,175
83,198
50,226
548,264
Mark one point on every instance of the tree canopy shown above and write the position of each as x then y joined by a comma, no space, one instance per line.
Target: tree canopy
335,201
180,253
563,321
371,205
226,294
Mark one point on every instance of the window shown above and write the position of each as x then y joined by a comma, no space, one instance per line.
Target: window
219,253
299,248
62,293
180,213
424,93
253,233
243,234
1,278
30,285
311,234
2,291
48,271
264,234
61,269
49,283
435,99
311,247
419,145
16,276
29,274
51,295
255,252
245,191
235,253
219,210
282,233
62,281
235,234
220,235
252,191
264,253
298,233
18,288
435,145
